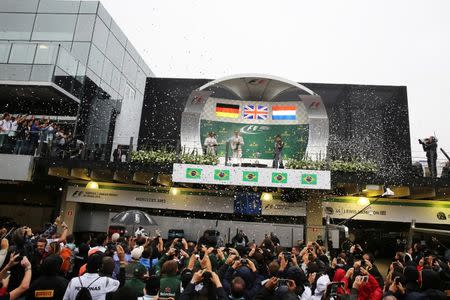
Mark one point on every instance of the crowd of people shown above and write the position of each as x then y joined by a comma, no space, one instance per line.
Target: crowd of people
52,265
22,134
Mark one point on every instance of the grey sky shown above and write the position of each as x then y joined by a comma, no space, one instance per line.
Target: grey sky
402,42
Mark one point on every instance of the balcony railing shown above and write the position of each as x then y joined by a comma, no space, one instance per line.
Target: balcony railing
41,62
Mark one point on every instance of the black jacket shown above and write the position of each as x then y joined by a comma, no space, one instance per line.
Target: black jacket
46,285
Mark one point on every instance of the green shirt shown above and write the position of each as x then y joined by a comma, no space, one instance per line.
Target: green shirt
170,286
136,285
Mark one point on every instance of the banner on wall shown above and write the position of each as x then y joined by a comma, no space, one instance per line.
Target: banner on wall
246,176
282,208
145,199
423,211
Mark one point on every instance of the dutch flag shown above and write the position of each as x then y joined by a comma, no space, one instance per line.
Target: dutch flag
284,112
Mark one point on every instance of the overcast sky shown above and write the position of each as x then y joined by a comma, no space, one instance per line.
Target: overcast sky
380,42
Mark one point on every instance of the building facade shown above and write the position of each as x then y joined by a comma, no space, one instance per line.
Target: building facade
79,52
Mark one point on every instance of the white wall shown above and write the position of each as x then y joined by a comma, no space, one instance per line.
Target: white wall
129,119
16,167
193,228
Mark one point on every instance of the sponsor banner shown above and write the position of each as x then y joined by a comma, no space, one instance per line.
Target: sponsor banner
146,199
395,210
246,176
259,139
281,208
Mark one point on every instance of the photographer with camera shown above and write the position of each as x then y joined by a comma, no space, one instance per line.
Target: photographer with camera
204,285
429,145
367,286
240,276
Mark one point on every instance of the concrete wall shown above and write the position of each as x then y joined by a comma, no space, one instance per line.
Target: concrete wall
194,228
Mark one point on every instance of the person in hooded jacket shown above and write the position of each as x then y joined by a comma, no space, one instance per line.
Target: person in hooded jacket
49,285
369,290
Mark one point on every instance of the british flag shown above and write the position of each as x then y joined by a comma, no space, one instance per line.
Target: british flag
256,112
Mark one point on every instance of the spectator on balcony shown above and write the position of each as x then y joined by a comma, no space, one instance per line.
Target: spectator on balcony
117,154
5,127
98,152
23,136
35,134
48,131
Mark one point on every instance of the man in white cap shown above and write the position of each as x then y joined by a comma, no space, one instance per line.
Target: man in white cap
114,237
136,254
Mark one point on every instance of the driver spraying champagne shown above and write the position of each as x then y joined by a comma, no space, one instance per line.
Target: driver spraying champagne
236,143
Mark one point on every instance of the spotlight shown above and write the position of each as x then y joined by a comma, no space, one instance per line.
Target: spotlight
92,185
363,201
174,191
266,197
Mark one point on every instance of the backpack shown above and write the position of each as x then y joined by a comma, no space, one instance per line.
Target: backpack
66,256
84,293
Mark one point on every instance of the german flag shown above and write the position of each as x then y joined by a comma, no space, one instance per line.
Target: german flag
227,110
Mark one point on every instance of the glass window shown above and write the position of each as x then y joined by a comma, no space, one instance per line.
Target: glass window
106,88
52,6
132,51
15,72
81,51
118,33
81,72
122,84
85,26
22,53
140,80
129,68
16,26
41,73
54,27
88,7
46,54
92,76
4,52
67,62
104,15
96,59
115,79
115,51
100,38
18,5
107,71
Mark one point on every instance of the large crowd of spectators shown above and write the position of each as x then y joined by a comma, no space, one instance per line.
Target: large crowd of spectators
27,135
21,134
52,265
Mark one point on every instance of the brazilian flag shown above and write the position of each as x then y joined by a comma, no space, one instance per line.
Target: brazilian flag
250,176
279,177
221,174
309,179
193,173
